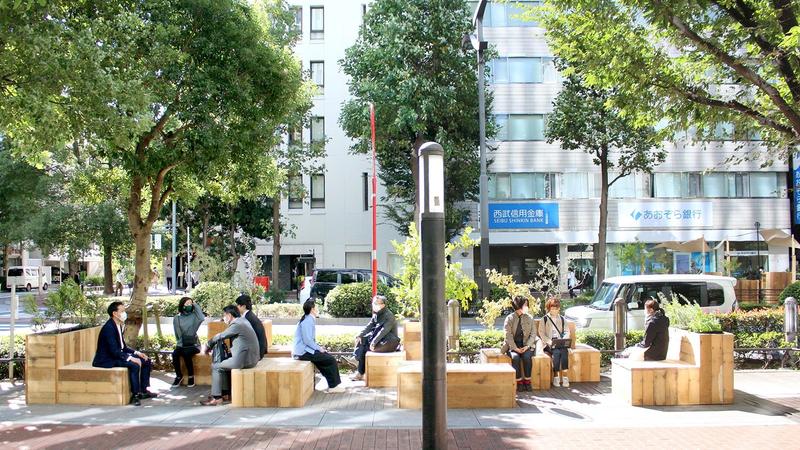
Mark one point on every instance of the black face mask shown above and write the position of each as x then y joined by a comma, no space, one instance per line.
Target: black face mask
188,308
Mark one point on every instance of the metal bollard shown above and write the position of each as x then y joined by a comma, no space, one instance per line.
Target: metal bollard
790,321
620,323
453,324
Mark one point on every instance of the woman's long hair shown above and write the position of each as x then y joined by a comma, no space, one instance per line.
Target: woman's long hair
307,307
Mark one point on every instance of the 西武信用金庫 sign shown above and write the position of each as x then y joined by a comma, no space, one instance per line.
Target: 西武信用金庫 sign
523,215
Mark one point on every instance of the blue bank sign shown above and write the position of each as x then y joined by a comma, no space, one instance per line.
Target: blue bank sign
523,215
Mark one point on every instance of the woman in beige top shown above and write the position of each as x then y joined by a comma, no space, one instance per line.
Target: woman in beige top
520,342
554,326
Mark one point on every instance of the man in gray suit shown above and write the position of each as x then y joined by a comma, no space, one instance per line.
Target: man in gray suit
244,353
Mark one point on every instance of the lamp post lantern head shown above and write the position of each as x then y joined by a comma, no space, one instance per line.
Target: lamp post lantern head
431,178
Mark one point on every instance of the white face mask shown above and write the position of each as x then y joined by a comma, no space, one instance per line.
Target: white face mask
123,316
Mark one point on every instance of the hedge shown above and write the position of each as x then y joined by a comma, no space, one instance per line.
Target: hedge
756,321
792,290
355,300
331,342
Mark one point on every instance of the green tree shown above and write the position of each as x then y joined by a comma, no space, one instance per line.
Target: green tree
695,63
409,62
185,98
586,118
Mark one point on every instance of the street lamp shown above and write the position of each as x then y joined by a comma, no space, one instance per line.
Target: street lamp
431,208
758,259
480,45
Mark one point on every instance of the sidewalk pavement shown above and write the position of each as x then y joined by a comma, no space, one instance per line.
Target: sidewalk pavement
766,414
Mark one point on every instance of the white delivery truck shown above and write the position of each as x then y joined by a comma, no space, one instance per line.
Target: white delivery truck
28,277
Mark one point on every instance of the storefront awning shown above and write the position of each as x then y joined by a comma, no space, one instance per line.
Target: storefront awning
778,238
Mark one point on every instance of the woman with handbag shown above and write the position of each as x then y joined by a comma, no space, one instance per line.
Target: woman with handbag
186,324
554,334
520,342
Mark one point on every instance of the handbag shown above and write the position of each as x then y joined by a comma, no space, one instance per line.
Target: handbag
220,352
189,341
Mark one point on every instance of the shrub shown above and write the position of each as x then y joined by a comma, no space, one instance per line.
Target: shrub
95,280
604,340
165,305
688,316
355,300
290,310
472,341
769,339
792,290
67,303
275,295
331,342
213,296
759,321
5,349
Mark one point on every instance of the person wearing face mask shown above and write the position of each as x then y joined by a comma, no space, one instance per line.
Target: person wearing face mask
305,348
520,342
187,344
380,335
112,351
554,334
244,353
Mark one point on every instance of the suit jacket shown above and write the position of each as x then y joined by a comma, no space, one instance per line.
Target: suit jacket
244,350
110,352
258,327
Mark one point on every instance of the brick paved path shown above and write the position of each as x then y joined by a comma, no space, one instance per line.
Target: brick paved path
105,436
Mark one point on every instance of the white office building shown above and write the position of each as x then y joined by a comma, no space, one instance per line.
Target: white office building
544,201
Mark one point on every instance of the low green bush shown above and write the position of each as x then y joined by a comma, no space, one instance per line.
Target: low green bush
355,300
688,316
95,280
472,341
213,296
5,352
165,305
275,295
792,290
283,310
769,339
757,321
604,340
331,342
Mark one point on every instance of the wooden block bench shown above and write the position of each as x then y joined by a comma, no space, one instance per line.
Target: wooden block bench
81,384
584,364
216,327
381,368
279,351
468,386
540,373
698,371
202,370
412,340
281,382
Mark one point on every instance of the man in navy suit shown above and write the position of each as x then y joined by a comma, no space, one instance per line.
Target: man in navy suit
113,352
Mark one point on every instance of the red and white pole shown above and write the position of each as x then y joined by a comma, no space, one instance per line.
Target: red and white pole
374,206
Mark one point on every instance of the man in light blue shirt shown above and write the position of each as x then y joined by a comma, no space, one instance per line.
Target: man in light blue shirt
306,348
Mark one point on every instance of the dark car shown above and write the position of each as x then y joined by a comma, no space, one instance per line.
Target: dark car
323,280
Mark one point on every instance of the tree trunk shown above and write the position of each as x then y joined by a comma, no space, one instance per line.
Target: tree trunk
415,175
141,280
206,219
276,242
232,237
600,251
108,274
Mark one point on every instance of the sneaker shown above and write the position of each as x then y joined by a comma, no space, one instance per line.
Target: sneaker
191,382
556,382
565,382
357,377
528,387
520,387
177,381
336,390
135,401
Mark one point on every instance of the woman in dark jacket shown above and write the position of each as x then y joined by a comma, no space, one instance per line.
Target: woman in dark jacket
380,335
656,332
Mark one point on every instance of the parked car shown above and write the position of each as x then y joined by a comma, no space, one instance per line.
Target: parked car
27,277
323,280
712,293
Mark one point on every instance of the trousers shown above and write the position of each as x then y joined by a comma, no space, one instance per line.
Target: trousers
138,376
186,353
327,366
560,359
523,363
363,347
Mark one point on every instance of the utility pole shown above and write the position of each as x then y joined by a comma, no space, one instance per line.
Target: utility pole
174,250
480,45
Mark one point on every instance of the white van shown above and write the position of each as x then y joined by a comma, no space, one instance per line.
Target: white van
712,293
27,277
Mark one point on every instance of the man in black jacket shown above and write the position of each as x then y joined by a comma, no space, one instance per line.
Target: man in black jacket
245,307
656,332
380,335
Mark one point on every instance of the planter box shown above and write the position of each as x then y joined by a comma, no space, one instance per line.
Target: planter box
412,340
46,353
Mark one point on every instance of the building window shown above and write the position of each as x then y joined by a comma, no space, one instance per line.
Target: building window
317,22
298,18
318,73
317,129
295,192
575,185
767,185
522,186
523,70
295,135
720,185
522,127
318,191
508,14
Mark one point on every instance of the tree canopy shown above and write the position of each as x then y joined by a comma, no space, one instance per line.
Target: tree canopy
696,63
409,61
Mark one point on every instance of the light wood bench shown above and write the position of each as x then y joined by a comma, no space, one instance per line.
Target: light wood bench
281,382
81,384
202,370
412,340
698,371
216,327
279,351
381,370
540,373
468,386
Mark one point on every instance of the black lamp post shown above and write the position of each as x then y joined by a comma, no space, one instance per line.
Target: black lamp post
432,235
758,259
